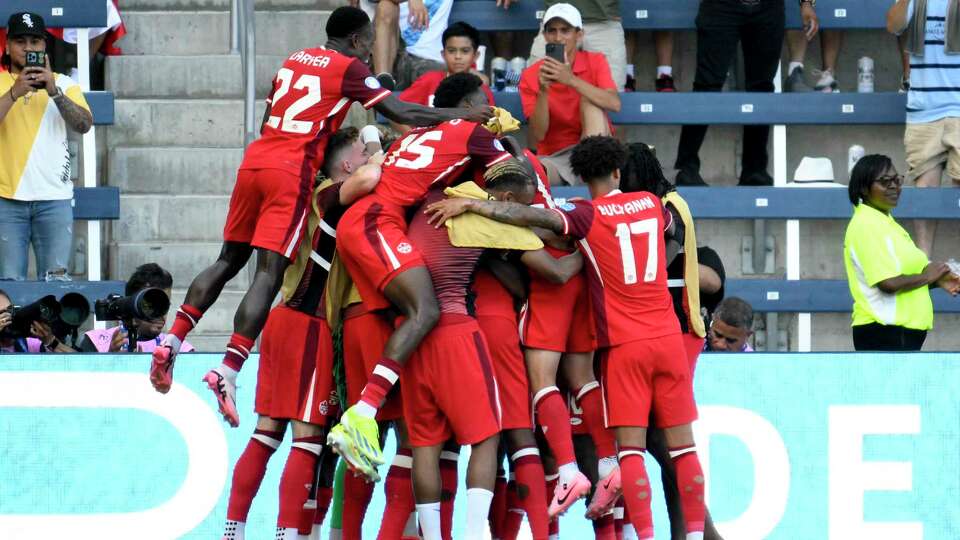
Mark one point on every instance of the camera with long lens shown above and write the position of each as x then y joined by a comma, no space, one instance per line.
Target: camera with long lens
147,304
64,316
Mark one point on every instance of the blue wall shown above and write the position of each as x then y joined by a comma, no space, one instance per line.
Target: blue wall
837,446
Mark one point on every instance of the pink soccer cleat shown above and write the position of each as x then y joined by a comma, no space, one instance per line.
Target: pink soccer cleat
161,367
225,391
568,493
605,496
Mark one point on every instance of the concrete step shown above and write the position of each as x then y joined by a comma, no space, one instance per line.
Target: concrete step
224,5
184,260
179,122
162,218
177,170
202,76
208,32
217,322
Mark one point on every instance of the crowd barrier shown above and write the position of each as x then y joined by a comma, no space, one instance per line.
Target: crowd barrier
795,446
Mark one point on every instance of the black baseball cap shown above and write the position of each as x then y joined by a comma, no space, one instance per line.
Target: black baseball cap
26,24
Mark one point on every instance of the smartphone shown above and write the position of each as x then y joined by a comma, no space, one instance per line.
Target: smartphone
555,51
36,59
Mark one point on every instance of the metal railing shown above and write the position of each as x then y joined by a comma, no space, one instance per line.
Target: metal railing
243,40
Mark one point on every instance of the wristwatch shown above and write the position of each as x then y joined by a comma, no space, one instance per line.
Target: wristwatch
53,344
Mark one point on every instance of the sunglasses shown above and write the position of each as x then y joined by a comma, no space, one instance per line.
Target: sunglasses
890,181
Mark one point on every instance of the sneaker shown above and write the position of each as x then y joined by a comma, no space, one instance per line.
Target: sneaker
664,83
567,494
161,367
904,85
758,178
387,81
826,83
630,85
795,83
357,439
226,392
689,178
605,495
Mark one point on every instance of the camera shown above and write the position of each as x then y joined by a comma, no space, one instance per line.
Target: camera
63,316
147,304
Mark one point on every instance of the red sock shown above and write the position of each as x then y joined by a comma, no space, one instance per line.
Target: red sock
238,349
636,490
603,528
356,496
249,471
591,402
448,491
498,507
324,496
555,528
553,416
618,517
514,515
384,376
187,318
398,489
296,480
551,486
690,482
528,472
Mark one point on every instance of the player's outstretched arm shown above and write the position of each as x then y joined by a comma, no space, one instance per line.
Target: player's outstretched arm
505,212
360,183
412,114
556,271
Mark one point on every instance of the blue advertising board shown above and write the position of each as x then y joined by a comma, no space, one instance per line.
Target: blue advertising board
794,446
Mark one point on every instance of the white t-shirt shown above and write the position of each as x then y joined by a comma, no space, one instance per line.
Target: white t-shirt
426,42
113,21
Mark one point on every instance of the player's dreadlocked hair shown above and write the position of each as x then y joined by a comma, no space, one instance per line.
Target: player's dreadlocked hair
597,157
508,175
342,138
454,88
643,172
346,20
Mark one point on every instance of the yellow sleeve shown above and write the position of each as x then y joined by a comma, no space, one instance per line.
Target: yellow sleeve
72,90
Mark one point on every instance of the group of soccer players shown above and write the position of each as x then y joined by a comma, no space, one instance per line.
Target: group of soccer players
418,260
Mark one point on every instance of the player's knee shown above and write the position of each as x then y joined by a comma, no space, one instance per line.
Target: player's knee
427,315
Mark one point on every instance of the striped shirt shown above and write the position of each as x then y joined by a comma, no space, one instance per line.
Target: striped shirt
934,77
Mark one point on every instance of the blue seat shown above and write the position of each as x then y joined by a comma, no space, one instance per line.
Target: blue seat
25,292
59,13
102,107
811,296
96,203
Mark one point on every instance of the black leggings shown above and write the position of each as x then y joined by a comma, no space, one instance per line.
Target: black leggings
878,337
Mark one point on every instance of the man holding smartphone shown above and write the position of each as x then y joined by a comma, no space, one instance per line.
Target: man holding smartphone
566,95
36,108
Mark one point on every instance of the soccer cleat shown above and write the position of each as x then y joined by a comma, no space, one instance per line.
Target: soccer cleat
161,367
226,392
605,495
568,493
795,82
357,439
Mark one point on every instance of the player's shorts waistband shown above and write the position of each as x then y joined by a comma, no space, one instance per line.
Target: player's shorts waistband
453,319
355,310
322,316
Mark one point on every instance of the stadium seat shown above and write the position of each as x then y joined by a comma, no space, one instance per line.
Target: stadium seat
102,107
59,13
810,296
96,203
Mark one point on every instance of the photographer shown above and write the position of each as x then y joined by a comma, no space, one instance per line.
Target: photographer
149,332
36,108
43,339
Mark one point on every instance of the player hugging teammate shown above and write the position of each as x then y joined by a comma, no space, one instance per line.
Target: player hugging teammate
461,290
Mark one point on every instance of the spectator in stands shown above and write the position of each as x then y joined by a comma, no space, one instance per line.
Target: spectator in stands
566,101
421,24
35,185
460,42
889,276
931,137
830,42
759,27
731,326
149,333
602,33
40,340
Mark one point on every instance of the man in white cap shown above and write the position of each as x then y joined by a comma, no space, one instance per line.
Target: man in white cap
565,101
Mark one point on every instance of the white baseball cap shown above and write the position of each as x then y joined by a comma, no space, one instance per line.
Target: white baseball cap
566,12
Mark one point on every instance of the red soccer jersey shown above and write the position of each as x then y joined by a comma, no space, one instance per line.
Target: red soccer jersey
622,238
433,156
492,298
311,95
423,89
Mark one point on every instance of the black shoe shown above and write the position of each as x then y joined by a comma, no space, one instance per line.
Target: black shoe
664,83
758,178
387,81
690,178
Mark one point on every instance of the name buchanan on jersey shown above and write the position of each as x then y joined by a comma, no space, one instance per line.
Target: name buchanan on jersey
630,207
308,59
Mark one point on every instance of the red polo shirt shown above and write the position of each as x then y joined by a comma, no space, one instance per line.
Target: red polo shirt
423,89
564,101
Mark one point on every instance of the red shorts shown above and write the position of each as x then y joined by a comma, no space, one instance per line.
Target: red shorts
364,335
556,317
693,345
514,389
449,387
268,209
372,243
295,376
648,376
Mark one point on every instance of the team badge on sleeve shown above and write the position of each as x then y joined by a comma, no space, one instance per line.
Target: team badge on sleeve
372,82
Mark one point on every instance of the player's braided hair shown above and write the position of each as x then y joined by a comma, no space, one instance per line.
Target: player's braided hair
597,157
643,172
509,175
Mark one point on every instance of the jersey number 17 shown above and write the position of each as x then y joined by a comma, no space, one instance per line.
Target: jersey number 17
624,234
